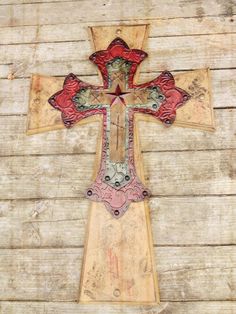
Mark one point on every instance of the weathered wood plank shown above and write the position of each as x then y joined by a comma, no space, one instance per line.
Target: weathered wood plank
185,273
79,31
62,12
204,307
177,53
82,139
14,95
166,173
18,2
156,137
62,223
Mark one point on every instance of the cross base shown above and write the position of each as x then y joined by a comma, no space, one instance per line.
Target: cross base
118,261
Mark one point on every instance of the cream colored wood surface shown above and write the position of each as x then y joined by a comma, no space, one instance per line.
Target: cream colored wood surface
185,35
177,173
226,307
82,138
79,31
64,11
118,262
26,223
64,57
134,35
185,273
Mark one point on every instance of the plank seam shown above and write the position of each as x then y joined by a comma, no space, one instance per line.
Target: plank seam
96,75
83,40
118,20
143,152
151,197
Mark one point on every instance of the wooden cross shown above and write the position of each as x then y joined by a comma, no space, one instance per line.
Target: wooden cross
118,261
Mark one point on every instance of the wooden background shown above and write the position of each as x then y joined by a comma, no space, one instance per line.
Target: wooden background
191,173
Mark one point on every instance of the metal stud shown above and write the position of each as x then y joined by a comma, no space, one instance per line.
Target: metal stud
145,193
107,178
116,212
154,106
127,178
117,183
89,193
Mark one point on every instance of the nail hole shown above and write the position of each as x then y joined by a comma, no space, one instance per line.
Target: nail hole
116,292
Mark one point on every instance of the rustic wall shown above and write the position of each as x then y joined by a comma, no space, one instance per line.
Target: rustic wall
191,173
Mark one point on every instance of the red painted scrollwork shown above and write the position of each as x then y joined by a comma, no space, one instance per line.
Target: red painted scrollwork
117,184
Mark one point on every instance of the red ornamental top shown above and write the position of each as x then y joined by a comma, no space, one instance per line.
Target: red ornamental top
118,49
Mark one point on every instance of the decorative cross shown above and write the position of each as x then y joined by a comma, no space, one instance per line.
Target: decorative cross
117,184
118,263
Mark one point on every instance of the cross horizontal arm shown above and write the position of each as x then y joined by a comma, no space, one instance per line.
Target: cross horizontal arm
77,100
163,98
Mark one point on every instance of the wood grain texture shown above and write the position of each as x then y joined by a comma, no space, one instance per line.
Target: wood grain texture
82,138
134,35
117,132
165,53
61,12
58,223
79,31
118,264
177,173
22,2
14,95
204,307
185,273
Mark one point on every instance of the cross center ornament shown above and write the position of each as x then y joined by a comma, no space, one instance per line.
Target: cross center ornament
118,264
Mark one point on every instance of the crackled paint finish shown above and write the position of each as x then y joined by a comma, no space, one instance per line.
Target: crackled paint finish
117,184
